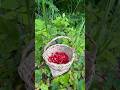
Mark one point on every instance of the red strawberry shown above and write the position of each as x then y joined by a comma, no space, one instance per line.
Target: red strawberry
59,58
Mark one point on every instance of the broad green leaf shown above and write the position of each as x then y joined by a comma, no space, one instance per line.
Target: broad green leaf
43,86
38,76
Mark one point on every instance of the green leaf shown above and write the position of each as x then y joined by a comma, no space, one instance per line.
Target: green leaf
64,79
54,86
81,85
38,76
43,86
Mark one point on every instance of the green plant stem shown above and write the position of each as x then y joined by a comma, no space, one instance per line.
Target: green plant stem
44,12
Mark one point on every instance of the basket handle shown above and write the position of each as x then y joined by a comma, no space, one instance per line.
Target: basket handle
54,39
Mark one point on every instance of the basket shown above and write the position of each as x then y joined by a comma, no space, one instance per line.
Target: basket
52,47
26,67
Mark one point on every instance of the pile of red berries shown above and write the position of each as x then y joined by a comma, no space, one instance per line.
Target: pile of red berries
59,58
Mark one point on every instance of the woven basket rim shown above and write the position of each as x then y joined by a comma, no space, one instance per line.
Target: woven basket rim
58,45
59,64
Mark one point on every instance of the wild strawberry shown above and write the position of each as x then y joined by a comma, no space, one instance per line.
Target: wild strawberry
59,58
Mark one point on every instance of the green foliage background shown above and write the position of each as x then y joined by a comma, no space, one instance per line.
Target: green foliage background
16,30
102,17
54,22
